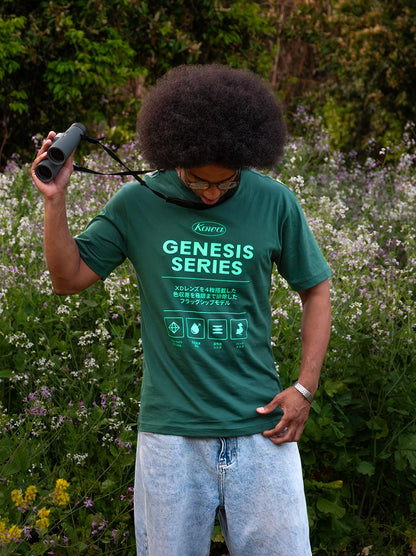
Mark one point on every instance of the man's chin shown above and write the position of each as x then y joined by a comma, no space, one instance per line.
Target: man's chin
209,201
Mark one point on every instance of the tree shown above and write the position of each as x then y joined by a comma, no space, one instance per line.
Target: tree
65,61
11,55
361,69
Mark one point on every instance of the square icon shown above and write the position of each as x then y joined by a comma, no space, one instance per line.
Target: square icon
238,329
195,328
217,329
175,327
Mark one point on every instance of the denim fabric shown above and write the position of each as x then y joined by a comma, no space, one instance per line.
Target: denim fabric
254,486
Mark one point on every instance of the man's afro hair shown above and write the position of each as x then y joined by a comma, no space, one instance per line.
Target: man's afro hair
211,114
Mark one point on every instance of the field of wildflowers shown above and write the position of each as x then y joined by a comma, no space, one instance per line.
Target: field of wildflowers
70,367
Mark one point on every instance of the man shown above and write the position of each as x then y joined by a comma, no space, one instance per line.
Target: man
217,435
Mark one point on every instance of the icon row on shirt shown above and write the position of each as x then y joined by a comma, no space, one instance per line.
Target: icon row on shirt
211,329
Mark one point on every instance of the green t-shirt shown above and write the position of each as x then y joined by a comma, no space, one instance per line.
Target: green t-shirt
204,282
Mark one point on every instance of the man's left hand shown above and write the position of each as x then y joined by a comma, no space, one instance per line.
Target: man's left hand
295,414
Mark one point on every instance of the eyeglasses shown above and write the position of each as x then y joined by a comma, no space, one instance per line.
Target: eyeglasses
204,185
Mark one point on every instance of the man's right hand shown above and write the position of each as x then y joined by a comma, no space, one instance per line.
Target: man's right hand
59,184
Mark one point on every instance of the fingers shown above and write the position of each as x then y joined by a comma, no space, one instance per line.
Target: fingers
59,183
271,406
42,153
295,414
47,143
283,433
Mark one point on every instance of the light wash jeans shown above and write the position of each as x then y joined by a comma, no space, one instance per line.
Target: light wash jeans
254,486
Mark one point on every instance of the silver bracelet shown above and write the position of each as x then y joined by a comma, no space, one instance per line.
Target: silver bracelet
305,393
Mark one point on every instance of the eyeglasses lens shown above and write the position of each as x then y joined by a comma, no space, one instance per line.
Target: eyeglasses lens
223,186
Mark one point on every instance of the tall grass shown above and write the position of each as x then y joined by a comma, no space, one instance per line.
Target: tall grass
70,367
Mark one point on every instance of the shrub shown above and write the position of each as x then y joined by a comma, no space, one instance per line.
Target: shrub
359,443
70,367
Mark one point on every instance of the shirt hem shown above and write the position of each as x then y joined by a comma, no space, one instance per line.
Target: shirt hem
300,286
209,432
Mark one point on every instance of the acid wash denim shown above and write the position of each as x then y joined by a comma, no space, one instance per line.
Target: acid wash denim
254,486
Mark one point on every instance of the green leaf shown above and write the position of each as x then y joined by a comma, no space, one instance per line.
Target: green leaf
366,468
217,535
331,508
407,451
10,468
333,387
379,426
108,486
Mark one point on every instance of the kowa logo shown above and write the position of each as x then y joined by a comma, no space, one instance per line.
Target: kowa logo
209,229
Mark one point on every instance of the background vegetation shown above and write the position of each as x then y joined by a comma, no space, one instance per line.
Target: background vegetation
70,368
70,60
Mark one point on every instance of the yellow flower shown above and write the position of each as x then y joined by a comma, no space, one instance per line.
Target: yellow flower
14,533
31,492
61,484
17,498
43,521
60,492
21,501
9,535
3,531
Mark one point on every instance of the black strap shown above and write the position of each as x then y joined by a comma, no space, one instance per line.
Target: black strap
135,174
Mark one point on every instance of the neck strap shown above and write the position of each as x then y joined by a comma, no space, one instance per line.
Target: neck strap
136,174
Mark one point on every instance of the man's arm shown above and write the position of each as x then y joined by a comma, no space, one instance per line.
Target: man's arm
69,273
316,327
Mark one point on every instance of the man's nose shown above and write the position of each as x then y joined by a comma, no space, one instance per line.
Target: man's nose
212,192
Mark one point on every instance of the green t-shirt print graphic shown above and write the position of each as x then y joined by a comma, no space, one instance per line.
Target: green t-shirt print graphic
205,274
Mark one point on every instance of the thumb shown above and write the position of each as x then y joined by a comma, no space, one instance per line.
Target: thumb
271,406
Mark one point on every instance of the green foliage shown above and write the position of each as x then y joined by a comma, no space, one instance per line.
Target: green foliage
10,37
70,367
363,56
11,56
69,390
93,61
358,447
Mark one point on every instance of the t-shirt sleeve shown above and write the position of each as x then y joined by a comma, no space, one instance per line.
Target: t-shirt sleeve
300,261
102,245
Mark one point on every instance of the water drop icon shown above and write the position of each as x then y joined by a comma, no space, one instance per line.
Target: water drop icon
195,328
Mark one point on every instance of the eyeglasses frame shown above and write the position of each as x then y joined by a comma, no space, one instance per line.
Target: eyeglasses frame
204,185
